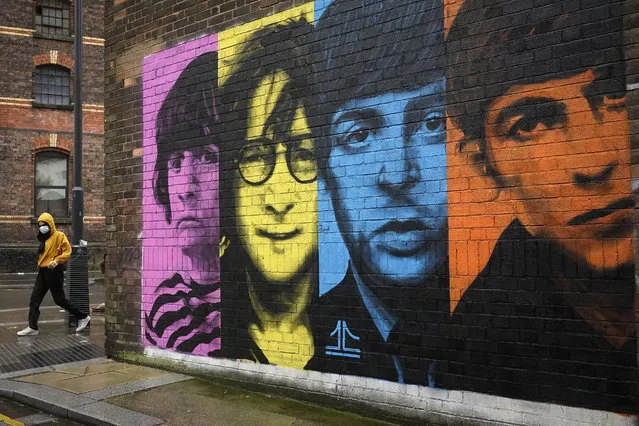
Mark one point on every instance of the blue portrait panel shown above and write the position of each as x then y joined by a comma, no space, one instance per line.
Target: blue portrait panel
383,200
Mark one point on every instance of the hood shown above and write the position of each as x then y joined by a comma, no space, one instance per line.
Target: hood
46,217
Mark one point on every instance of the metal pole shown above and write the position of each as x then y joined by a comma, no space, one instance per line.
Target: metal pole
78,193
78,277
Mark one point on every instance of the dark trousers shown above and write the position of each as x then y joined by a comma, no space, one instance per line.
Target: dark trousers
50,279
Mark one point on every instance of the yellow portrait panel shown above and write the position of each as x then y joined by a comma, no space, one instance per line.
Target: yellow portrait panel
275,187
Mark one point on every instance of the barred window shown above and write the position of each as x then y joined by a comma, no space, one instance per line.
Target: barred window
51,183
52,17
52,85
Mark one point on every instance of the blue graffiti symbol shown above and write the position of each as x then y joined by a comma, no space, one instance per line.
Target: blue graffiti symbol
342,349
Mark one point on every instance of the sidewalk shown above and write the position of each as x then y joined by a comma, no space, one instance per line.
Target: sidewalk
105,392
56,343
65,374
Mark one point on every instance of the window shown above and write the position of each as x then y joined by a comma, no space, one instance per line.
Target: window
51,183
52,85
52,17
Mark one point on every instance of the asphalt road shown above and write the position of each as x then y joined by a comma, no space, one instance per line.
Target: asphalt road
15,291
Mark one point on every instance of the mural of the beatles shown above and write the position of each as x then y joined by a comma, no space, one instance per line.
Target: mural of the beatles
359,104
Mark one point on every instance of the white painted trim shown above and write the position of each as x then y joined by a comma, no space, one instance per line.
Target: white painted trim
16,99
443,406
26,102
19,102
28,32
16,31
27,219
633,86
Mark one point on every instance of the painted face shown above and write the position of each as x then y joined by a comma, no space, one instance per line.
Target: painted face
193,194
563,147
388,171
277,189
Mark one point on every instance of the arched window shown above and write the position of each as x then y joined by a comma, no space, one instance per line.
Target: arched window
52,17
52,85
51,186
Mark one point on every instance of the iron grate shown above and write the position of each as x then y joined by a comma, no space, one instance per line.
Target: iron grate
44,352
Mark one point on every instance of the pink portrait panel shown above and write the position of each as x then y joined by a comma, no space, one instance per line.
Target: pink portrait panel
180,292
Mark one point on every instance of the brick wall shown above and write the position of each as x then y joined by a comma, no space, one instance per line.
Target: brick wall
431,201
26,129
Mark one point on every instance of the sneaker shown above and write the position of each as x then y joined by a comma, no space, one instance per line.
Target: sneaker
82,324
28,332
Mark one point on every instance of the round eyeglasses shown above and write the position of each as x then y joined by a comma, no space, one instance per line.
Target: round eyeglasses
256,162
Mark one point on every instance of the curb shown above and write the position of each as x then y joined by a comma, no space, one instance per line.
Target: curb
87,407
75,407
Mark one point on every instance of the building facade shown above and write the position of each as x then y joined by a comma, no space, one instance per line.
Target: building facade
421,208
36,123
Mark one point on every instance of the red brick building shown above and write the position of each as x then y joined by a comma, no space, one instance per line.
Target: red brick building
36,123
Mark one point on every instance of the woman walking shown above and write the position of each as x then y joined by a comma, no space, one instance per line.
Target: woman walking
54,251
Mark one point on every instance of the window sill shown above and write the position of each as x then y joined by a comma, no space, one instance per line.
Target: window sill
35,104
66,38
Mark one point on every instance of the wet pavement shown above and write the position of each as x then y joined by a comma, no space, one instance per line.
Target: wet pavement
14,413
92,379
199,402
64,373
56,343
105,392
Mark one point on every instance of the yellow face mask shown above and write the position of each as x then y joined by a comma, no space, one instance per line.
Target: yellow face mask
277,192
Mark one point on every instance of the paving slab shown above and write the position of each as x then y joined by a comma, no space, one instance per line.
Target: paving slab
94,377
70,405
103,368
132,387
46,378
143,372
198,402
81,384
100,413
76,371
217,412
58,367
153,397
